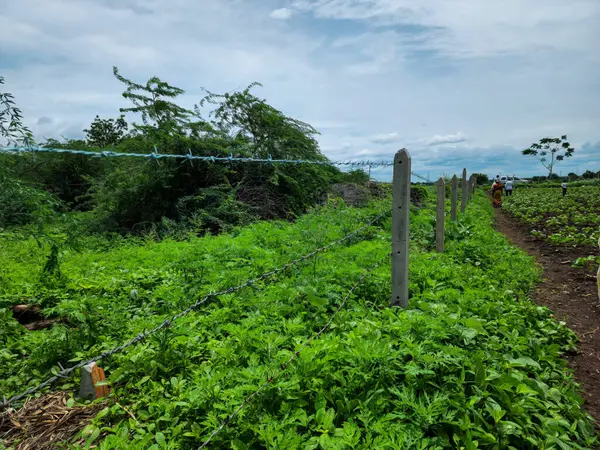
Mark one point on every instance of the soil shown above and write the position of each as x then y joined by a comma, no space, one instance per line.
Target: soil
572,295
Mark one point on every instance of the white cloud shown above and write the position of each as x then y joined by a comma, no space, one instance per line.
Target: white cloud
505,73
456,138
386,138
470,28
282,13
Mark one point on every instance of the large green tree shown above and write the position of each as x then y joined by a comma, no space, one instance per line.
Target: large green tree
549,151
262,129
136,194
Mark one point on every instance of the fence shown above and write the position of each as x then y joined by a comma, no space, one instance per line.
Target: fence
156,156
399,256
401,219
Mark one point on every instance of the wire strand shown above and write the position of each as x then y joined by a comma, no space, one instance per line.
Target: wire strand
190,157
156,156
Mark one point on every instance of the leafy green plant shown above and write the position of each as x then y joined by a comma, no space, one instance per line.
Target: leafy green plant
472,363
586,262
568,220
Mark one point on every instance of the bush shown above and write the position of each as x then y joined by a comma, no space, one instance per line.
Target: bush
21,204
356,176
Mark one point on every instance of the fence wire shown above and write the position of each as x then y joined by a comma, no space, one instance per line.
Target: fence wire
285,365
190,157
166,323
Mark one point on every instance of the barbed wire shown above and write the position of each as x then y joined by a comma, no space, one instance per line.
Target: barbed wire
421,177
166,323
190,157
286,364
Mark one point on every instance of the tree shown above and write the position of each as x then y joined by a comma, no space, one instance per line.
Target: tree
11,121
482,179
572,176
588,175
160,117
261,128
556,149
106,132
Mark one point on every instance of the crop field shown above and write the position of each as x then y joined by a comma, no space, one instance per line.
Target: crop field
472,363
572,220
562,233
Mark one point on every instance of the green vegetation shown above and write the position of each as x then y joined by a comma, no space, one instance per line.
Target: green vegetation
570,220
135,196
11,120
110,248
471,364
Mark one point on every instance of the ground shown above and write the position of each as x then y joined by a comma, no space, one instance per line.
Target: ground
572,295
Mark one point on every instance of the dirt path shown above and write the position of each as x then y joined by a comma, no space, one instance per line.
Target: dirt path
572,295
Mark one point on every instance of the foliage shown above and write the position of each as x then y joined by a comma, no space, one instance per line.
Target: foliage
260,129
68,177
106,132
557,149
586,262
573,219
22,204
557,184
240,192
481,179
135,196
471,364
588,174
11,121
161,117
356,176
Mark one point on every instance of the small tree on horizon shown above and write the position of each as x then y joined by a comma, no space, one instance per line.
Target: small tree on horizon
481,178
105,132
549,151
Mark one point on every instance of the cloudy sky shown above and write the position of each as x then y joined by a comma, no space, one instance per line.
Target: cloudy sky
460,83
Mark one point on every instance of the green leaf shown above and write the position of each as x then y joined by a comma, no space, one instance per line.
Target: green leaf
495,410
471,322
160,439
523,361
236,444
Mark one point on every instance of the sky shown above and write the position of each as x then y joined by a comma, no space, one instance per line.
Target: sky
459,83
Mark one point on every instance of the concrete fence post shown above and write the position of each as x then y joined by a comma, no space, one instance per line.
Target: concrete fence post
454,199
465,191
439,217
400,228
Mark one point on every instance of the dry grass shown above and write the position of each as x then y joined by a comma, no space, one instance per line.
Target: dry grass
42,423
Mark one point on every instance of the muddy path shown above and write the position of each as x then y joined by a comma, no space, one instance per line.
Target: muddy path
572,295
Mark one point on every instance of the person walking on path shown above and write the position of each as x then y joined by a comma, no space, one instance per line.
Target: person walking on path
508,187
497,194
564,188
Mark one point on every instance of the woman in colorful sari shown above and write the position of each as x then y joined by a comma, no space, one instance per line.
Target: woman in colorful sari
497,194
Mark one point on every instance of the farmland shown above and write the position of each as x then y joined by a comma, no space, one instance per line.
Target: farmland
572,220
562,233
472,363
